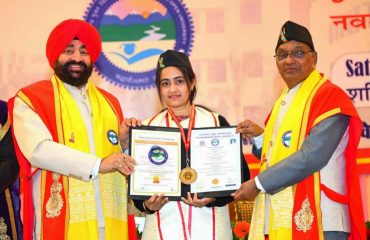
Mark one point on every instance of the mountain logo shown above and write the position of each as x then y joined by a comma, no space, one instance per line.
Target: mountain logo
134,34
157,155
112,137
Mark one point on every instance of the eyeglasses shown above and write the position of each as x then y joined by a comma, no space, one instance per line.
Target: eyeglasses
296,54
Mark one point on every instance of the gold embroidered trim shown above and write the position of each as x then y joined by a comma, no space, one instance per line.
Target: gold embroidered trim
304,217
4,129
55,202
3,229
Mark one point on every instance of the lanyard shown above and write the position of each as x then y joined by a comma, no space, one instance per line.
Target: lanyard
185,139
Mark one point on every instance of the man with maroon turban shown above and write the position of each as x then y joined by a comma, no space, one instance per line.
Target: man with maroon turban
67,138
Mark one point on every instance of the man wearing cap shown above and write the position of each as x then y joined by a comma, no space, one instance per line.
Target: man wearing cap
308,187
67,143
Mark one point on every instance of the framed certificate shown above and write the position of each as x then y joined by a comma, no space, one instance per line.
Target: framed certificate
157,151
215,155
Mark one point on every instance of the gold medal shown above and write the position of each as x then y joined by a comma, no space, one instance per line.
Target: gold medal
188,175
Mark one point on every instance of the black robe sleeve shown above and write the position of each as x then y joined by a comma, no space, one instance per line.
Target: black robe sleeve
9,167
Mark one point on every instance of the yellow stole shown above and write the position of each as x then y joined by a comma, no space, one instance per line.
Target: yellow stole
294,121
81,195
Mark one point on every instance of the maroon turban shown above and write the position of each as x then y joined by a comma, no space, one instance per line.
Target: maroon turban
65,32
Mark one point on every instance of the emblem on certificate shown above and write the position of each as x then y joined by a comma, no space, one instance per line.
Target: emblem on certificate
158,155
188,175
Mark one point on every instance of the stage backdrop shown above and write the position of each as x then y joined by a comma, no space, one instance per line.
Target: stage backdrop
231,45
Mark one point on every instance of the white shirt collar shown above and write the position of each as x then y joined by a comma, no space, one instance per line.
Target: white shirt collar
75,91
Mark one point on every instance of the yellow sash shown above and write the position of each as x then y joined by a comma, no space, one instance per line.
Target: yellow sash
291,133
81,195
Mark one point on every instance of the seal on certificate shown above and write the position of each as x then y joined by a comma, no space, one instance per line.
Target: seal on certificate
188,175
157,155
215,181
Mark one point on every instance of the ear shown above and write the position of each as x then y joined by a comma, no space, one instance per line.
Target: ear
315,59
193,84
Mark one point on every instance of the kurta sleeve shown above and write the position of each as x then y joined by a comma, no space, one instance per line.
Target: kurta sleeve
35,142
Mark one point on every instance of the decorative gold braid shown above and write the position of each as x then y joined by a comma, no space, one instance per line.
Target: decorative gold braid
304,217
4,129
243,211
55,202
3,229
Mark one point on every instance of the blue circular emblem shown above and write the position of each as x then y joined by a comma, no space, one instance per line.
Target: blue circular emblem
215,142
134,36
112,137
157,155
287,137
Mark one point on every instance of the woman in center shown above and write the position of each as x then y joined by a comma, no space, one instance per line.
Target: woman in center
192,217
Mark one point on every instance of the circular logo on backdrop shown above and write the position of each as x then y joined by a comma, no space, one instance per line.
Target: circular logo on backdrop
287,137
112,137
134,34
157,155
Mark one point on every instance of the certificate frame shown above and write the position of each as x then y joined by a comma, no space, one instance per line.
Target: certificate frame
222,135
183,189
158,168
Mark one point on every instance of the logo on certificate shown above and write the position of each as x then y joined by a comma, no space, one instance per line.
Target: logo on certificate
112,137
215,142
287,137
157,155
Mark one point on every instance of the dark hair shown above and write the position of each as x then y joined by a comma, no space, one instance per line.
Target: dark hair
190,79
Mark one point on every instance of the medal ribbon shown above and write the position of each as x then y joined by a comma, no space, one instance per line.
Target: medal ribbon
185,139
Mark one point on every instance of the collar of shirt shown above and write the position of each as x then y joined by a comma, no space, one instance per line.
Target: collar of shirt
80,93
